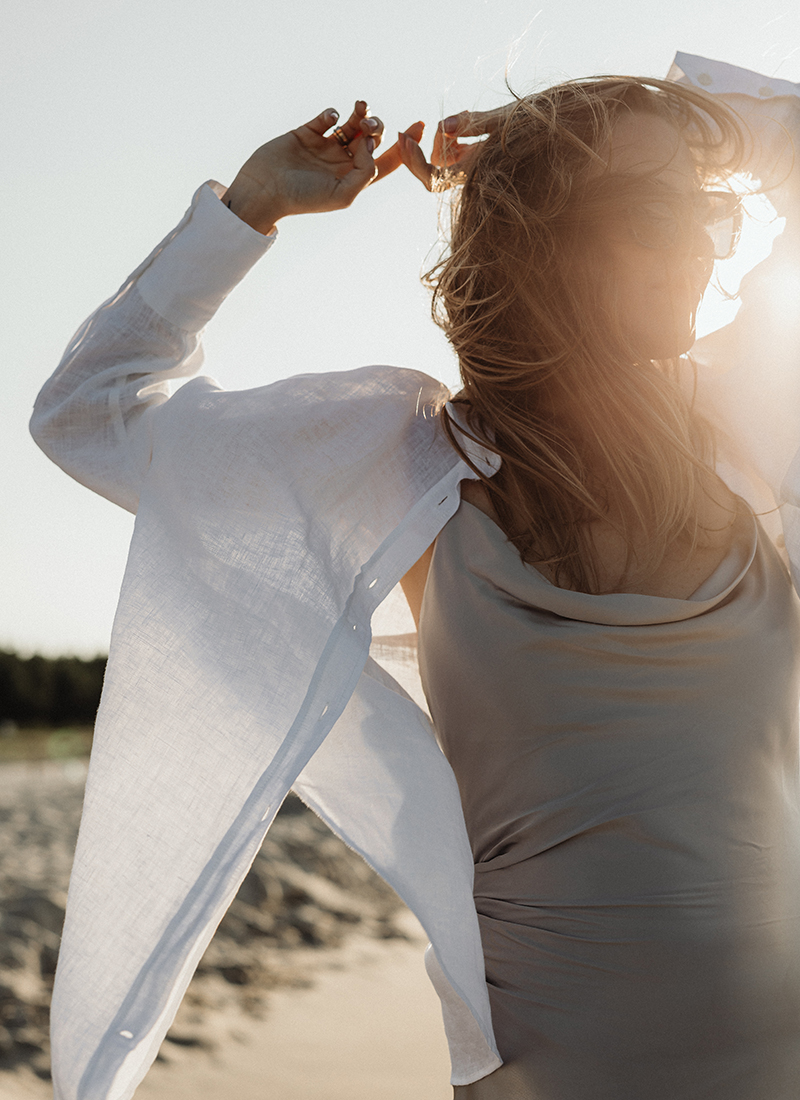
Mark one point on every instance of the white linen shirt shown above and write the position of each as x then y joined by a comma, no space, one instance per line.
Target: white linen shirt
271,523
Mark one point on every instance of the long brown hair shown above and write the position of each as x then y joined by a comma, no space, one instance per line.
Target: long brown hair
585,429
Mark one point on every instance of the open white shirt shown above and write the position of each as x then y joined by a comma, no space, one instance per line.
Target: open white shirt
271,523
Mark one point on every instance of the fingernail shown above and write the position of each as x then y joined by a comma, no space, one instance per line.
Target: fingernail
370,144
450,124
371,123
332,114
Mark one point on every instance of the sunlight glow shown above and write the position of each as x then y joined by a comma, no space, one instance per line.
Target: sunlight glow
786,289
761,226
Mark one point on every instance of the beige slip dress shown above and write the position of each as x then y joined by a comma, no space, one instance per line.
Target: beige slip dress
628,768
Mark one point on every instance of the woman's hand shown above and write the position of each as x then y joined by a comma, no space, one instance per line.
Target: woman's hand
305,171
450,160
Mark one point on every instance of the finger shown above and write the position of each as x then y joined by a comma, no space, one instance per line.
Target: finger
446,148
362,151
414,159
323,121
390,160
352,127
363,170
473,123
372,127
447,151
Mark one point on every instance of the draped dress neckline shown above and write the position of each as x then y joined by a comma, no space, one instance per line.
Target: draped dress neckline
525,583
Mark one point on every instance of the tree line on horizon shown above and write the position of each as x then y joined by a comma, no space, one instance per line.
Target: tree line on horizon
49,691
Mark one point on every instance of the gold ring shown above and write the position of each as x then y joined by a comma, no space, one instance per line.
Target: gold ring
341,137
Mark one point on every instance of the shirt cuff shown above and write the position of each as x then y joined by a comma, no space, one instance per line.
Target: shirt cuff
191,273
723,79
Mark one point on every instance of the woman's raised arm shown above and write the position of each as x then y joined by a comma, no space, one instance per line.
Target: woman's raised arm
95,415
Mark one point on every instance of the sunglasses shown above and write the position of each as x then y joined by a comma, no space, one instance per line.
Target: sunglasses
662,223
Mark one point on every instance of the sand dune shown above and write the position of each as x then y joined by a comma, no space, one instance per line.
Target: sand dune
368,1028
313,989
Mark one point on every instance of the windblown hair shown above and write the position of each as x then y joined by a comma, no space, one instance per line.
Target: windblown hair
585,429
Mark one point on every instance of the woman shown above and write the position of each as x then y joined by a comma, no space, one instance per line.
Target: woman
608,639
617,711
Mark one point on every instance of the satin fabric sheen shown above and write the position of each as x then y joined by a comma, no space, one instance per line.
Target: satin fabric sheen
628,767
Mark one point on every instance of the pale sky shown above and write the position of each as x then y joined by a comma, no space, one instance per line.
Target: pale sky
116,111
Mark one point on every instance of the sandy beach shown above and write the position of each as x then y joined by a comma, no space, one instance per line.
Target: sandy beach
368,1028
325,998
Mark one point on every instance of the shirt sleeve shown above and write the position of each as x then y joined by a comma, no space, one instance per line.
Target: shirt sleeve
94,416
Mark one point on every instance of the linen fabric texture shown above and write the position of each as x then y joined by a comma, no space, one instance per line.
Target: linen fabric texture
271,523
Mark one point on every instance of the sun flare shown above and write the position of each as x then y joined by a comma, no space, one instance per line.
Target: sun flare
760,228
